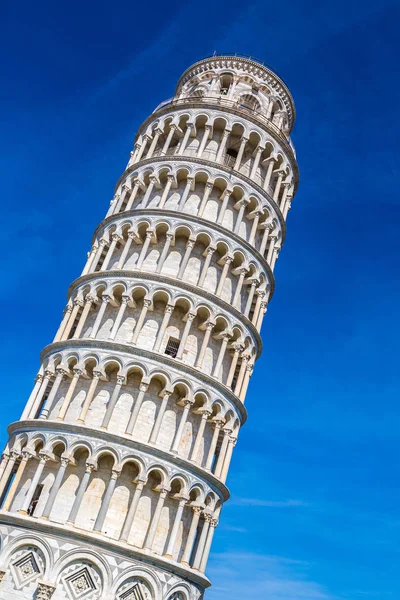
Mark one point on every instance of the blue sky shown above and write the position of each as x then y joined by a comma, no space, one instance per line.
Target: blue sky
315,476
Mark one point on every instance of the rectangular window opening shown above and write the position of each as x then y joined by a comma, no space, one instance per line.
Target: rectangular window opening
172,347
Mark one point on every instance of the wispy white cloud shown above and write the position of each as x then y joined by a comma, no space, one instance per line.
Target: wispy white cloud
268,503
246,576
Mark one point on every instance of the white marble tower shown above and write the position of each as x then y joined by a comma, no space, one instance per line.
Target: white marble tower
112,481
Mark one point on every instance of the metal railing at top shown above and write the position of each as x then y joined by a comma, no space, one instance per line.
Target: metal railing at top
221,101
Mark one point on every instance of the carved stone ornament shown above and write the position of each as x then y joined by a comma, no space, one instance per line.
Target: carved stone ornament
44,591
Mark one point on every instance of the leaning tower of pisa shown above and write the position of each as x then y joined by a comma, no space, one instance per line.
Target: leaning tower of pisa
113,480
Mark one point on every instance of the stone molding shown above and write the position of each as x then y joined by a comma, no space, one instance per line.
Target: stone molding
100,434
210,164
153,356
215,227
172,281
106,544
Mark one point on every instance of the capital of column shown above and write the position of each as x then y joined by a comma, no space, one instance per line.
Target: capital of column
45,590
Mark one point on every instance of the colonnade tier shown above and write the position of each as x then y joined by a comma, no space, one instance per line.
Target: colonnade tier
146,502
167,234
125,442
208,135
196,187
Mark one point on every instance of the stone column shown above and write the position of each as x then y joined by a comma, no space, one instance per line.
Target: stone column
67,315
189,247
185,140
206,135
149,190
7,471
224,274
226,196
278,185
187,404
207,191
142,390
246,381
207,548
133,195
227,459
163,199
155,520
49,402
105,503
222,144
142,148
64,462
224,343
243,203
177,521
210,251
80,493
69,394
125,251
145,247
264,240
102,244
189,183
92,253
286,209
245,360
189,321
89,396
218,425
256,162
274,258
250,297
154,142
271,161
89,300
157,424
115,239
236,297
167,315
113,401
168,240
127,526
257,215
124,191
239,157
202,541
96,325
209,327
3,464
78,303
191,535
31,399
237,350
222,453
286,185
271,248
168,140
36,405
140,321
261,314
122,308
21,468
199,437
35,480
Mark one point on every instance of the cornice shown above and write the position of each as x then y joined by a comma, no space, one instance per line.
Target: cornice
195,103
206,163
255,67
157,358
173,214
74,535
176,283
83,430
